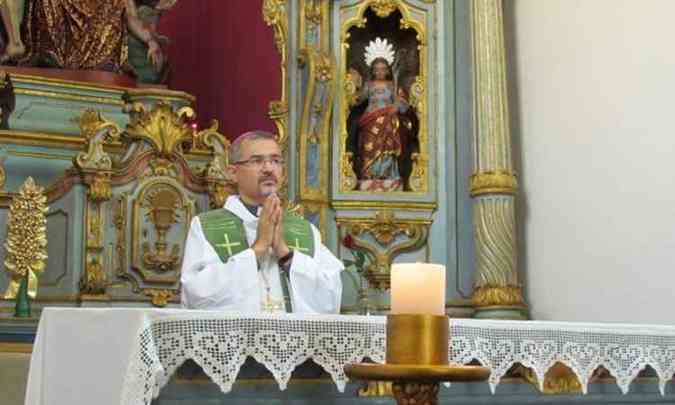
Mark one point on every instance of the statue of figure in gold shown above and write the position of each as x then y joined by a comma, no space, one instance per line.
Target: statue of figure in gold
80,34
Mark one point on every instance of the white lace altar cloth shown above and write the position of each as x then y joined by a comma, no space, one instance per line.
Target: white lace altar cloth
220,343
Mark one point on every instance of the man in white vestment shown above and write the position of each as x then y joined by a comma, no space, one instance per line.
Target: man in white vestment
253,255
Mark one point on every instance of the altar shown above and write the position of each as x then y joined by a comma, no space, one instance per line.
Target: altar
131,356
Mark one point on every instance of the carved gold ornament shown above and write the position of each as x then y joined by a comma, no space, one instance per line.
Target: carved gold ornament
99,188
383,7
26,242
385,228
95,280
3,175
97,131
162,204
160,297
497,296
313,11
377,389
162,127
274,14
493,183
349,179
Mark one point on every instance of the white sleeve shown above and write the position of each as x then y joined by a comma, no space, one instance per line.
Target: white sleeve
316,286
208,283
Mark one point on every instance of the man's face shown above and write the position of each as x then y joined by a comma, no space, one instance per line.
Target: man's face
259,170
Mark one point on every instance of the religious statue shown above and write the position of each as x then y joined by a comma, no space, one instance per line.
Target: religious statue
382,126
86,35
12,15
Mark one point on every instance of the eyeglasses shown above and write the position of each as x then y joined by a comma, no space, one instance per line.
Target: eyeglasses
258,162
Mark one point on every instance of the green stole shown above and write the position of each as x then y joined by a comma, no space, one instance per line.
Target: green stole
226,233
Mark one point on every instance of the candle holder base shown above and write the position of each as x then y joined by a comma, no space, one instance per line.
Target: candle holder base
416,360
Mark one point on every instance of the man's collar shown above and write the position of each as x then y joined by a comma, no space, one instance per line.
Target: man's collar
237,207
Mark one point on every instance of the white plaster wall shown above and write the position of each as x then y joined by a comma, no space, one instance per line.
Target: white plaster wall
594,117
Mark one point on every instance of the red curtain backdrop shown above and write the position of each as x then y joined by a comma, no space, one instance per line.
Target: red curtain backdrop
223,53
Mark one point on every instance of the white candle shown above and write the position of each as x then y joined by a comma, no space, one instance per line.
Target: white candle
417,288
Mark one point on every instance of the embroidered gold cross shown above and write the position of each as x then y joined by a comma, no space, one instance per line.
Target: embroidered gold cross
227,245
298,247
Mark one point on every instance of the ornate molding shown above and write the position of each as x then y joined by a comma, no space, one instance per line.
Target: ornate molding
385,229
315,124
160,297
97,131
219,186
94,281
162,127
99,187
493,183
383,7
274,14
497,296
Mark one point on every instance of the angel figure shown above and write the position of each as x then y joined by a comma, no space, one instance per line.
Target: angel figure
382,125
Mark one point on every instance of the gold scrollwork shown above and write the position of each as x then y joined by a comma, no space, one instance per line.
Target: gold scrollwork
3,175
95,280
493,183
497,296
313,11
383,7
377,389
99,187
160,297
26,243
162,127
97,130
385,228
349,179
210,137
274,14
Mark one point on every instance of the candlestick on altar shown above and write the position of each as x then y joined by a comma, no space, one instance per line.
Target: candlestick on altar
417,338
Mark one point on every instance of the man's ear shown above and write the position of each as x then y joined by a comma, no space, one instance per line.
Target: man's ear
231,173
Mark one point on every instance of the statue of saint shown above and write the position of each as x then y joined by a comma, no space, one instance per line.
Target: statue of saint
11,12
83,34
382,126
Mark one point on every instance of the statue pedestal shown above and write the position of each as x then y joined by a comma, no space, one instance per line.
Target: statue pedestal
49,100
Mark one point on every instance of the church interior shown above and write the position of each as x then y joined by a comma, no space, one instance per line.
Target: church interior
464,139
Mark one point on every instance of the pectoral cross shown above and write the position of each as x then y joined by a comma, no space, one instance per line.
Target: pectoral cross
298,247
228,245
270,305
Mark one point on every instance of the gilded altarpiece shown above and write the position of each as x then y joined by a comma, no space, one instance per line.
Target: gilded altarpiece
141,204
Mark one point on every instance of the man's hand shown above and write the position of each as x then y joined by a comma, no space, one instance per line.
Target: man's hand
266,226
279,245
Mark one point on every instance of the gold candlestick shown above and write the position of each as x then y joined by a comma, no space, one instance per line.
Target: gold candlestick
417,360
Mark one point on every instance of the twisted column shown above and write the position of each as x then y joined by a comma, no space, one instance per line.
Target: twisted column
497,290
